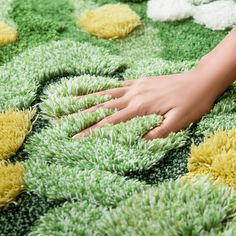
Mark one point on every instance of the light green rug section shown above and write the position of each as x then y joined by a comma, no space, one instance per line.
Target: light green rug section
174,208
4,12
61,99
98,187
116,148
80,218
143,43
81,6
37,66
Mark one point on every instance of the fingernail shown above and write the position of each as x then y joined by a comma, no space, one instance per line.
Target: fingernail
147,137
78,136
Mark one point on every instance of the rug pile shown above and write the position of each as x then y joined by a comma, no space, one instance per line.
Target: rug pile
112,182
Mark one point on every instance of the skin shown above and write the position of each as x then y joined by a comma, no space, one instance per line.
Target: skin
180,98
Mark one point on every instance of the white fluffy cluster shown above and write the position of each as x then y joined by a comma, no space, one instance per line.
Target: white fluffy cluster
198,2
169,10
216,15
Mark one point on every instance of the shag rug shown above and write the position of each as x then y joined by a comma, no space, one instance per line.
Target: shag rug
112,182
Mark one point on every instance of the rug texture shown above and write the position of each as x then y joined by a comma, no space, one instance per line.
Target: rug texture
112,182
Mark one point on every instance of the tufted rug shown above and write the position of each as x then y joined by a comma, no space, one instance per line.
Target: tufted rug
112,182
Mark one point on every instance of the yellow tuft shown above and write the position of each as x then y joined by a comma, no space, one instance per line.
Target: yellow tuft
215,157
110,21
7,34
11,182
14,126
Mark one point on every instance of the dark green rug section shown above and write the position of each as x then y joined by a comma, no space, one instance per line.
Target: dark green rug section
186,40
19,217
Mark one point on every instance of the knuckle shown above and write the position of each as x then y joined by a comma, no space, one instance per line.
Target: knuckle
154,132
105,105
97,106
161,132
139,107
109,104
106,121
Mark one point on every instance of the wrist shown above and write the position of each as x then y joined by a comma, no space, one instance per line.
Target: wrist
212,75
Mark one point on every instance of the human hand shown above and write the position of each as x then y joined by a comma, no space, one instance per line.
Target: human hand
181,99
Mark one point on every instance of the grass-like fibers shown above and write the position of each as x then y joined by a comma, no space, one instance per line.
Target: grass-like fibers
179,44
36,66
186,40
173,208
62,98
57,182
19,217
79,218
111,148
222,116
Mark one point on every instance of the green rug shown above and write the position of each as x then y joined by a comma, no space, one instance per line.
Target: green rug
112,182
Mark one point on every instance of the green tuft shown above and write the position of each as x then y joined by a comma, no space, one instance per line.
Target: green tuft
157,67
222,116
36,66
98,187
173,208
81,85
70,219
110,148
61,106
61,98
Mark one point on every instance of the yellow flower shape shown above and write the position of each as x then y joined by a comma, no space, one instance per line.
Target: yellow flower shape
7,34
110,21
11,182
14,126
215,157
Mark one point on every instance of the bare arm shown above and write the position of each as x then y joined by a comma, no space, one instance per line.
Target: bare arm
220,64
181,99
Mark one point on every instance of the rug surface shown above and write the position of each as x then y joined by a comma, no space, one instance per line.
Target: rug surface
112,182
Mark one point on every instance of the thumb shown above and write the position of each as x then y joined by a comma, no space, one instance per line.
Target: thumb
171,123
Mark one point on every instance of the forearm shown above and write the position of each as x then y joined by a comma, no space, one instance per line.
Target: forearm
218,68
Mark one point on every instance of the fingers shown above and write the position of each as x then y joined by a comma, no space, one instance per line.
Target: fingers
123,115
114,93
113,104
171,123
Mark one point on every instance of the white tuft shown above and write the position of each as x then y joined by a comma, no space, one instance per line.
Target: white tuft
213,14
198,2
169,10
217,15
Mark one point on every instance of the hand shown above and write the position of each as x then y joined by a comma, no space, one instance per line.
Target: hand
181,99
